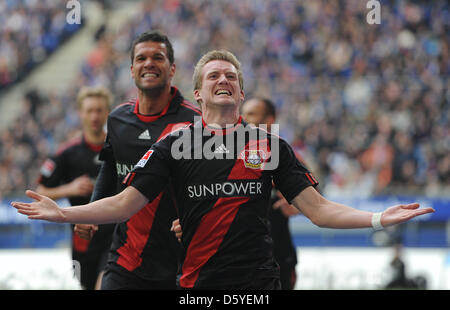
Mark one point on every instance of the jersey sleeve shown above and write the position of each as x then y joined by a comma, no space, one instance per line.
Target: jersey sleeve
291,177
106,182
51,171
107,154
151,173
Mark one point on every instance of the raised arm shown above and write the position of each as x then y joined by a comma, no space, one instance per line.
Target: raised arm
108,210
325,213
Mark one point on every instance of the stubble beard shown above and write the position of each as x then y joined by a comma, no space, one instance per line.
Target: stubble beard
153,91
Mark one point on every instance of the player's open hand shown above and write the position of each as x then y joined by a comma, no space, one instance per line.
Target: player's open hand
43,208
402,213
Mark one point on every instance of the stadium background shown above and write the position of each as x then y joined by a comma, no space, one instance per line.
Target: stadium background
366,105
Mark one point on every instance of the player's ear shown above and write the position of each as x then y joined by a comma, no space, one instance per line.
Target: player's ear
242,97
197,96
173,68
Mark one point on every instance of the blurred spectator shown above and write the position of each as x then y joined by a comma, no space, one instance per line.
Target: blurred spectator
399,278
369,103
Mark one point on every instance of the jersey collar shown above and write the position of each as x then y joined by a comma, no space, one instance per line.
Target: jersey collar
94,147
223,131
151,118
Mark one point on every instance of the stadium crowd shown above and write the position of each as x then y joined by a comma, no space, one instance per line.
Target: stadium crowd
366,105
31,30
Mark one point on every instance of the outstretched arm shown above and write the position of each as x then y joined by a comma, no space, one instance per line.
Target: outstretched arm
329,214
112,209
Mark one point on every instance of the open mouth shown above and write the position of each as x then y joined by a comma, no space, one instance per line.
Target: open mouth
223,92
149,75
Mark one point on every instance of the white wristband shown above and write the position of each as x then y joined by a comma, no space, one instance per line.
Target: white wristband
376,221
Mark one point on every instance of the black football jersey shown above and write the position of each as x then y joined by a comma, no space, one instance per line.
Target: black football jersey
75,158
144,244
223,202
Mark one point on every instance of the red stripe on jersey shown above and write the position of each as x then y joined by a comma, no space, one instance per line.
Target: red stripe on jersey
311,178
129,178
74,141
214,226
171,128
138,232
314,179
208,237
191,106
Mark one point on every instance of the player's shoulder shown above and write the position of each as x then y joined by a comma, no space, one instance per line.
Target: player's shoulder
123,108
188,107
263,132
179,131
184,105
69,145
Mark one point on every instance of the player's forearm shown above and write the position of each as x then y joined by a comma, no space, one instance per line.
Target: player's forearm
335,215
329,214
102,211
112,209
54,193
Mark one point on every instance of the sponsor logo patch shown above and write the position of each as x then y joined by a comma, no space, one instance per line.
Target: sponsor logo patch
144,159
47,168
230,188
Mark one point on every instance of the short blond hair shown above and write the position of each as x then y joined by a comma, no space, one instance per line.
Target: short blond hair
98,91
216,55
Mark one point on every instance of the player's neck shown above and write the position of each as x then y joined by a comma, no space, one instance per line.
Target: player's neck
151,103
94,138
221,117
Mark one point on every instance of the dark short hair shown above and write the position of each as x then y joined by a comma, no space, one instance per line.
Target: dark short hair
269,106
154,36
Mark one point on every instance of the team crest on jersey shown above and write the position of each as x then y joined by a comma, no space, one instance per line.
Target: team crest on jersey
253,159
144,159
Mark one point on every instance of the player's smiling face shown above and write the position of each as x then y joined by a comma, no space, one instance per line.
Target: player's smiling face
151,68
220,84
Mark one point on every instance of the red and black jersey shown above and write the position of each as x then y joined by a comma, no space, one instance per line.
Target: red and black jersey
223,202
144,244
73,159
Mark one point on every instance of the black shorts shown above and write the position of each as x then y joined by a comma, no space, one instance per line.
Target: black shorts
125,280
287,276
